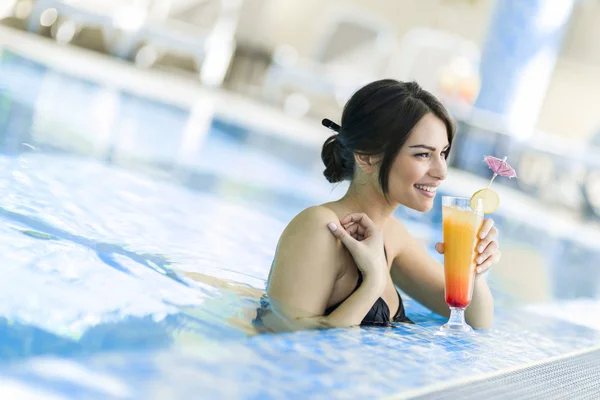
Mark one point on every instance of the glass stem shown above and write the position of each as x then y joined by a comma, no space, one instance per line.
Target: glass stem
457,316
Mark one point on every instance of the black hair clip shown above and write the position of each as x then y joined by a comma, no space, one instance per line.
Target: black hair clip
327,123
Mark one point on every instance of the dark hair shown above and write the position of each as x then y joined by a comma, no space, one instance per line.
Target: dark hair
378,119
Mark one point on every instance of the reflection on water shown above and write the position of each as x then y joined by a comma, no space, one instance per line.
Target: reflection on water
92,245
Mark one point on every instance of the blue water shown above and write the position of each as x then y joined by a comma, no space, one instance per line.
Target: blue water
129,275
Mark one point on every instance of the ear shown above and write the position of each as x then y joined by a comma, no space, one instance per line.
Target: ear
368,163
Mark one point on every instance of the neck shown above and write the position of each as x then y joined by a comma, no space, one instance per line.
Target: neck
369,200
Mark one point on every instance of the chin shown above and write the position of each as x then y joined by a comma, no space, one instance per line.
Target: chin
422,206
425,208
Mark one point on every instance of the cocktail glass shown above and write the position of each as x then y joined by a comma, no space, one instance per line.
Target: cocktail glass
461,226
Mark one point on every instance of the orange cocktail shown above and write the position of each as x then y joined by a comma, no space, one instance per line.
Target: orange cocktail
461,230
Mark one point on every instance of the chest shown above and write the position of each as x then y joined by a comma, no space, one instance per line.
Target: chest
346,284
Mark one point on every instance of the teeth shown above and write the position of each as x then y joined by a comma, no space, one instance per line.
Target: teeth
426,188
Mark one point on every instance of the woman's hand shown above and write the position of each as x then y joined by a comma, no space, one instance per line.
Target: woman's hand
364,241
488,248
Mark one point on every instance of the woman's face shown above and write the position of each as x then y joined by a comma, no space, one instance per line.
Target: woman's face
420,165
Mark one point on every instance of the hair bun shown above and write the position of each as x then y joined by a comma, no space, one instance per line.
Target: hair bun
331,154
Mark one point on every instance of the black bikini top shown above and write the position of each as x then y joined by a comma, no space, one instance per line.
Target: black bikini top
379,314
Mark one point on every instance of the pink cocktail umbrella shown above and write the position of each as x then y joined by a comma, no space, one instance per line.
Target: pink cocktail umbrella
499,167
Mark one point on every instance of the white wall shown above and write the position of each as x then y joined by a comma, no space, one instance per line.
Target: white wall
299,22
571,105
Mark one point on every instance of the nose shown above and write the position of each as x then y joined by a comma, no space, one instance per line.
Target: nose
439,169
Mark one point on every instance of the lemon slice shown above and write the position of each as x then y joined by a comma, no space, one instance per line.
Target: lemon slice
491,200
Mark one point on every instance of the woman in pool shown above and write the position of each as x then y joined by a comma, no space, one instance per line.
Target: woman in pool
337,264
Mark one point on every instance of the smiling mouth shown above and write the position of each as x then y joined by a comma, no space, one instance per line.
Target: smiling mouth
428,191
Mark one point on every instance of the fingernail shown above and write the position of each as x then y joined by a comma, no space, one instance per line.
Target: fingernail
480,249
332,227
482,235
479,259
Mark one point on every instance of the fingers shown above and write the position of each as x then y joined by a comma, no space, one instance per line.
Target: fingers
491,249
439,247
342,235
486,228
357,236
353,228
357,231
488,263
361,219
488,247
489,238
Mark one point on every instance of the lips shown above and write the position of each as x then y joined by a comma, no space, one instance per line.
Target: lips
426,190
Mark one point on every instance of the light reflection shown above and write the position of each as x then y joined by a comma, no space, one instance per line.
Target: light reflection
64,370
66,32
49,17
146,56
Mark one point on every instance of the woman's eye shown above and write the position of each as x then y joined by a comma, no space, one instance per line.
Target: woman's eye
422,155
445,154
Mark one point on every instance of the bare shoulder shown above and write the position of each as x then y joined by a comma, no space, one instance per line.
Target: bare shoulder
308,231
313,215
307,263
312,220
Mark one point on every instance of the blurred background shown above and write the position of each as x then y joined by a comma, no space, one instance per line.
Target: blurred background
150,133
519,78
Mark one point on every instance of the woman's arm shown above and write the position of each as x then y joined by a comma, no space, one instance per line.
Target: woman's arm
422,278
305,270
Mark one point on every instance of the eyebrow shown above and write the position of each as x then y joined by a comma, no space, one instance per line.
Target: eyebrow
426,147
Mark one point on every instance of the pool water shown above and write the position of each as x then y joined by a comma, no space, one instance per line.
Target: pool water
130,275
